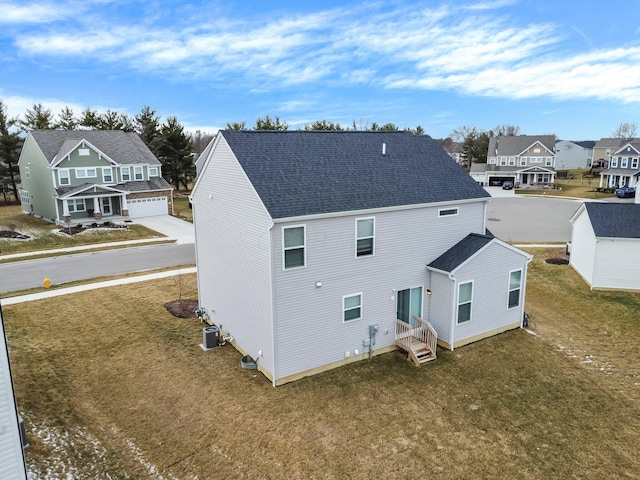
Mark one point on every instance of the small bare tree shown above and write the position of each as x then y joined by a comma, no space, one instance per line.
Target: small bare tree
625,130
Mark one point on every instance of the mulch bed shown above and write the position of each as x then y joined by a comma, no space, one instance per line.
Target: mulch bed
557,261
73,230
182,308
12,235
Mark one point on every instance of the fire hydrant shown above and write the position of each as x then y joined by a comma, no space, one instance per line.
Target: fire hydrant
47,283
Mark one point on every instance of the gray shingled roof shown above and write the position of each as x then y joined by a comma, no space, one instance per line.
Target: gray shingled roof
614,220
512,145
125,148
611,143
311,172
460,252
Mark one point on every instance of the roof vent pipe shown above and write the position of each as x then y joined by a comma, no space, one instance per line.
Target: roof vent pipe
384,149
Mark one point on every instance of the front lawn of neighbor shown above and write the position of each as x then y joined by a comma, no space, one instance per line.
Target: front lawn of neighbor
112,386
45,237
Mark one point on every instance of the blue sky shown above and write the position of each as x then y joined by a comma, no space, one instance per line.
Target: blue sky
566,67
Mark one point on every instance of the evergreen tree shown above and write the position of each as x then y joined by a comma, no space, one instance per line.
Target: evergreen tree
236,125
322,125
147,126
10,145
89,119
267,123
112,120
37,118
66,119
175,154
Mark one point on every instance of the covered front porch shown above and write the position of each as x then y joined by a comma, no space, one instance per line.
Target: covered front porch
95,204
619,177
535,176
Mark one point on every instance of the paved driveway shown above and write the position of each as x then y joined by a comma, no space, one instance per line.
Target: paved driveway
527,219
499,192
170,226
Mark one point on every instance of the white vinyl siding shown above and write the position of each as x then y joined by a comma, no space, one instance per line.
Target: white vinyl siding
294,246
306,313
616,264
365,235
234,287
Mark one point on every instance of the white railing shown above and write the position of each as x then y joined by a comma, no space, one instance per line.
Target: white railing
423,332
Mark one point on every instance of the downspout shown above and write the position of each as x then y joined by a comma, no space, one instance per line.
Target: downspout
454,310
593,267
524,288
273,308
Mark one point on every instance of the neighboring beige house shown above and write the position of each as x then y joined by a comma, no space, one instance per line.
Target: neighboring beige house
525,160
84,176
624,164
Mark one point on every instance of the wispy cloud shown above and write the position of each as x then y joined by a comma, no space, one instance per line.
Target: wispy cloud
35,12
473,49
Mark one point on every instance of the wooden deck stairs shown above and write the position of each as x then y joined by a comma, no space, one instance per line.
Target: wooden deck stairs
419,340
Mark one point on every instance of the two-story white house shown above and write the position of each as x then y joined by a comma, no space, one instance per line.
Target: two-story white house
82,176
524,160
624,165
311,247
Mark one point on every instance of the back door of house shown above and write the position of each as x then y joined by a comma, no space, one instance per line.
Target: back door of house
408,304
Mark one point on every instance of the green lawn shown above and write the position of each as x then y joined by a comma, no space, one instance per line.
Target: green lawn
112,386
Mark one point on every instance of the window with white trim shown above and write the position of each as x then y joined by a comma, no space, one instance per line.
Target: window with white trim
548,161
107,175
614,162
634,163
365,232
352,307
515,284
624,163
76,205
293,246
447,212
512,161
24,197
83,152
137,173
465,297
63,177
125,174
492,160
523,161
154,172
86,173
503,161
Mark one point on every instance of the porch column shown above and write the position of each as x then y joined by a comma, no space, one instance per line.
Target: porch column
96,207
601,177
124,206
66,216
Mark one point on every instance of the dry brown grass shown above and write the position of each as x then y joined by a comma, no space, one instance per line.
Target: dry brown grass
517,405
44,236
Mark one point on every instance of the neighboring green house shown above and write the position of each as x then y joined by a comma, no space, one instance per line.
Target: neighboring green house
76,176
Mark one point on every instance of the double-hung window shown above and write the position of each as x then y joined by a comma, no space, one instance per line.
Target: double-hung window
63,177
465,297
76,205
85,172
624,162
523,161
352,307
137,173
634,162
107,175
365,232
125,174
294,246
614,162
515,283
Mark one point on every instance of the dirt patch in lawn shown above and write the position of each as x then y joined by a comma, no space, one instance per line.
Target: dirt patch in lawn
182,308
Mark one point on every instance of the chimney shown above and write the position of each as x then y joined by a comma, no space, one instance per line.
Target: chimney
384,149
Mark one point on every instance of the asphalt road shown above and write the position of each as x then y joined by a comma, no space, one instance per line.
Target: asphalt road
66,268
526,219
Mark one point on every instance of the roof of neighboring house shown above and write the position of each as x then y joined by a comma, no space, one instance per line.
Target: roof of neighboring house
298,173
484,167
612,142
460,252
614,220
505,145
631,143
582,143
125,148
620,171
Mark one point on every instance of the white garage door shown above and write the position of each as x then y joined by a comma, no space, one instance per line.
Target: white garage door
147,207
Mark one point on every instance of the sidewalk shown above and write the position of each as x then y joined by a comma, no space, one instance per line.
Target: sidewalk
86,247
93,286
